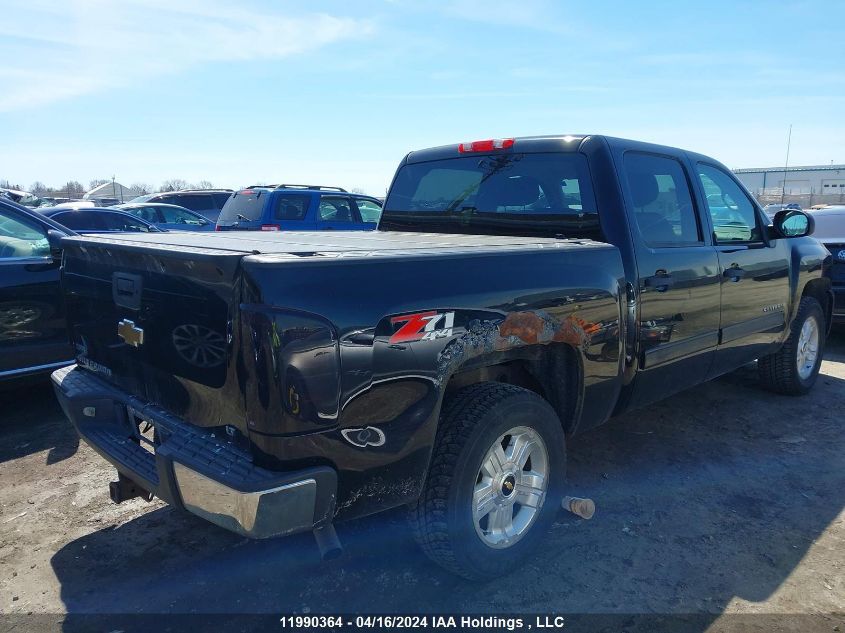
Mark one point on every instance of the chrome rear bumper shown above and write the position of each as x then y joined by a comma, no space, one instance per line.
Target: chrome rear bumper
193,468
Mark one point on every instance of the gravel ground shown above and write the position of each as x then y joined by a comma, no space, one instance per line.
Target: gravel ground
720,501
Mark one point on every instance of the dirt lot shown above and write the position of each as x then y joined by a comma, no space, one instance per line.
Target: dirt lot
723,500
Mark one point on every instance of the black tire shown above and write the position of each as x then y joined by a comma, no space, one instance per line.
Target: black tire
472,420
779,371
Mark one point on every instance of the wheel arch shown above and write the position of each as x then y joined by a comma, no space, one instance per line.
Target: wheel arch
554,371
821,290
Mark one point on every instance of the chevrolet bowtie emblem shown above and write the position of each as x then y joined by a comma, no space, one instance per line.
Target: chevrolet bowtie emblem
131,334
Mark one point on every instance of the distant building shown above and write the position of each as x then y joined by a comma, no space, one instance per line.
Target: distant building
813,179
817,181
113,190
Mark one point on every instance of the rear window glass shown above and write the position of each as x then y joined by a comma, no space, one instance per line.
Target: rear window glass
514,194
244,206
291,207
220,198
193,201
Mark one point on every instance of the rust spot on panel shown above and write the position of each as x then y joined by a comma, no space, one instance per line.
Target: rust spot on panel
516,330
538,327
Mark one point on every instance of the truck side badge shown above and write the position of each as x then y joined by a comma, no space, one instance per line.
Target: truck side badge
423,326
368,436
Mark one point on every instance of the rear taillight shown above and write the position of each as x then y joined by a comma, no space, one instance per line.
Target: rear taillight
271,227
217,228
486,146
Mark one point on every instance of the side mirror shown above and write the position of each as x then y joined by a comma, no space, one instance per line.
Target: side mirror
54,239
793,223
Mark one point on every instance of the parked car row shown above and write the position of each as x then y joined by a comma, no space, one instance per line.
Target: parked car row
257,208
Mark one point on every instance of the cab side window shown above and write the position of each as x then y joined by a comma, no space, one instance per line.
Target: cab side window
661,200
733,214
19,238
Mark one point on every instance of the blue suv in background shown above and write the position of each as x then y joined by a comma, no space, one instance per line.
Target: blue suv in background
298,208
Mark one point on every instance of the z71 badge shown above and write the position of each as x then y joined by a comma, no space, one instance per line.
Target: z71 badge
423,326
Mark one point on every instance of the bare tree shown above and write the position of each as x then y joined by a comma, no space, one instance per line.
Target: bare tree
141,188
174,184
38,188
204,184
97,182
74,189
5,184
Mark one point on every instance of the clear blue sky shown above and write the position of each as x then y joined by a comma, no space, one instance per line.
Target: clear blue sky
338,92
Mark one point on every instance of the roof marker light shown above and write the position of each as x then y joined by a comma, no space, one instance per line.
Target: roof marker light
486,146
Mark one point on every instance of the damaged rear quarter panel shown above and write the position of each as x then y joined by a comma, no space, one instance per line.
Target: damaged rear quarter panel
498,306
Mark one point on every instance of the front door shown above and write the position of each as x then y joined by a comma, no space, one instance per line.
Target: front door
369,212
33,333
678,319
754,272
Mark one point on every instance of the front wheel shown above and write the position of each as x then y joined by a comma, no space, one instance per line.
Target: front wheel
794,368
495,481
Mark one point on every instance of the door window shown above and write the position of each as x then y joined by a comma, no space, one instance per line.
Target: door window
21,238
334,209
124,222
175,215
661,199
145,213
292,206
370,211
733,214
81,220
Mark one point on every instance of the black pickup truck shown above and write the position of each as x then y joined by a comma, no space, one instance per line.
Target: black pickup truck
517,291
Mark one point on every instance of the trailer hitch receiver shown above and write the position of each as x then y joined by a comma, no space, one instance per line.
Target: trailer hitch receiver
125,489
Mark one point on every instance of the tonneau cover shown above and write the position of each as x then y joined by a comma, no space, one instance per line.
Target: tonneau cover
272,242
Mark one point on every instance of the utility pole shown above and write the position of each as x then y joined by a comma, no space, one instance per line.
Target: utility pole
786,165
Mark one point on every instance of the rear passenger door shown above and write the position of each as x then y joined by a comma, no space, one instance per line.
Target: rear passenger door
754,272
290,212
678,276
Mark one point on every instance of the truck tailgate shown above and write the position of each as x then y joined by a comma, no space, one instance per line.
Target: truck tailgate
157,322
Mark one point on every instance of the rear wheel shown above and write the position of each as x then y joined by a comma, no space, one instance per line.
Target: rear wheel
794,368
495,482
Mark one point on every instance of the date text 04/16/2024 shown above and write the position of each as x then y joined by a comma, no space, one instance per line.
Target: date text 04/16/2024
381,622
